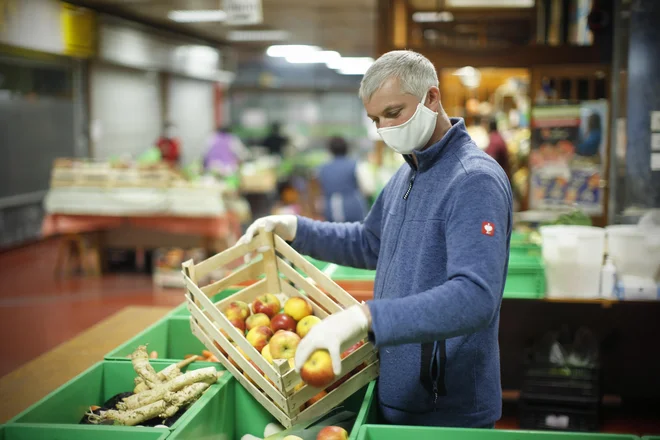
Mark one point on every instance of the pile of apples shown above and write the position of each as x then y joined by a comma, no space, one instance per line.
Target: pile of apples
275,332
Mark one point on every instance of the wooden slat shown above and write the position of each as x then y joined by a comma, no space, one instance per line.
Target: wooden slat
311,290
270,264
275,394
291,291
246,295
249,386
221,322
223,258
249,272
338,395
321,279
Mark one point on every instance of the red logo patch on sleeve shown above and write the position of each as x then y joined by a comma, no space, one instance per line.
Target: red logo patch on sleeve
488,228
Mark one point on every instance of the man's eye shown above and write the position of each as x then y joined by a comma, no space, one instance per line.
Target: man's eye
393,115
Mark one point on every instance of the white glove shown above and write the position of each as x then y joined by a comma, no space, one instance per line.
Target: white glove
283,225
335,333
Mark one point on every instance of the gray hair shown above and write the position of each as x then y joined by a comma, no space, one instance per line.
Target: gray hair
415,72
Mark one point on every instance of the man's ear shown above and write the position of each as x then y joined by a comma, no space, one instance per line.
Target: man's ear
433,99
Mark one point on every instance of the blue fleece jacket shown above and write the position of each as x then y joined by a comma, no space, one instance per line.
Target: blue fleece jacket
438,237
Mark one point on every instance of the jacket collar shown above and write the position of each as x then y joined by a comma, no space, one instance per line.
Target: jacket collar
457,135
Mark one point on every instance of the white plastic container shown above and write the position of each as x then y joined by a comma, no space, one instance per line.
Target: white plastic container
573,257
635,250
608,279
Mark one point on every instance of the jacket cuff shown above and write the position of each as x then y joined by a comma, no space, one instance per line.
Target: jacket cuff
302,232
381,328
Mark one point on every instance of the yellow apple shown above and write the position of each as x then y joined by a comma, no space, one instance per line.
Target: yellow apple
237,310
283,344
317,370
258,337
265,352
305,325
257,320
297,308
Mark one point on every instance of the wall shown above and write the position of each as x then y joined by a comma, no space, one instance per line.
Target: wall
642,184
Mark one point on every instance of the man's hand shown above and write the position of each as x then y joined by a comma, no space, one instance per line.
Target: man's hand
335,333
283,225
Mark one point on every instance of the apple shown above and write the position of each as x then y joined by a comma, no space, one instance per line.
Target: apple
257,320
268,304
305,325
265,352
332,433
239,324
317,370
297,308
258,337
352,349
316,398
292,437
237,310
282,321
283,344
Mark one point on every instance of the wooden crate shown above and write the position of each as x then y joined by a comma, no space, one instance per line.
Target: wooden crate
100,174
275,387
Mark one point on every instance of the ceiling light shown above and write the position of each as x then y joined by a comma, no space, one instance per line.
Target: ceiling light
351,63
264,35
433,17
291,50
489,3
320,57
198,16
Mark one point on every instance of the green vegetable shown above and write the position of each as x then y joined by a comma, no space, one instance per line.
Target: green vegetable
574,218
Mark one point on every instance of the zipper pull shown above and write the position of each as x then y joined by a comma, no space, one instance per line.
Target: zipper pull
410,185
435,395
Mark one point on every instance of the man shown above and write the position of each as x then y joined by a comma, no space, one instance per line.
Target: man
497,148
438,236
275,141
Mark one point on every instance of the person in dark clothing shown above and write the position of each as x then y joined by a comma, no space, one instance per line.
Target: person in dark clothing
590,144
169,145
341,192
275,141
497,147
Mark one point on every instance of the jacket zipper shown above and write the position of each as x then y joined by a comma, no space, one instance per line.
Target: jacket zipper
436,372
410,185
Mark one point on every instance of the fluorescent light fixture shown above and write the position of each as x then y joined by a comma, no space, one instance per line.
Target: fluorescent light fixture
433,17
489,3
351,63
320,57
263,35
292,50
197,16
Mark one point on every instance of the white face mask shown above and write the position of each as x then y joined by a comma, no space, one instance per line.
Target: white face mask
412,134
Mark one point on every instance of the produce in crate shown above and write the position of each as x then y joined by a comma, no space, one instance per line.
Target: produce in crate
317,371
257,320
262,359
332,433
237,310
159,396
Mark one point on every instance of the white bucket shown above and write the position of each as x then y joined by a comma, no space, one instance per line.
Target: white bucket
573,257
634,250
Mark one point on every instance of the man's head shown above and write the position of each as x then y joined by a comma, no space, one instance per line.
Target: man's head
338,146
393,86
492,125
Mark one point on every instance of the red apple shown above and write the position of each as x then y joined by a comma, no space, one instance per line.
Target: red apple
352,349
336,385
305,325
237,310
268,304
258,337
282,321
297,308
316,398
283,345
239,324
332,433
257,320
317,370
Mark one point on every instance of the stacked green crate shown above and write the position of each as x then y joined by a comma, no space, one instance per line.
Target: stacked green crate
345,273
83,432
525,278
379,432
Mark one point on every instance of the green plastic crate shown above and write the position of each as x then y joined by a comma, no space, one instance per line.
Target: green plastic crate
182,310
60,432
67,404
344,273
234,413
525,278
381,432
171,338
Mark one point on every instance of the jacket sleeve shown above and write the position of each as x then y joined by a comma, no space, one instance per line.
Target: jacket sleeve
346,244
477,259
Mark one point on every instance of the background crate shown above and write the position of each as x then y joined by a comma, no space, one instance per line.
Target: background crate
272,385
377,432
233,412
82,432
171,338
182,310
525,277
67,404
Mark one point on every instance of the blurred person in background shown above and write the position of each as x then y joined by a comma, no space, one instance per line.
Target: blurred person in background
497,148
438,237
343,199
275,141
169,145
225,153
590,141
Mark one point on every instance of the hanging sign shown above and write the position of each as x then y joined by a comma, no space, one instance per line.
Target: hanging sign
243,12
